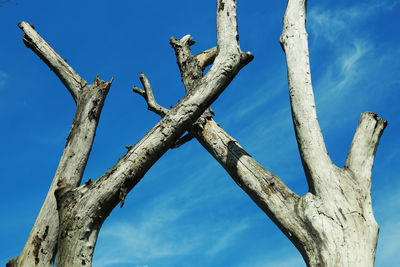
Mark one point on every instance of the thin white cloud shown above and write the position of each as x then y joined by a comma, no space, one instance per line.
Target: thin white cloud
279,258
163,238
228,237
261,97
286,261
344,72
333,23
162,228
348,61
106,262
359,71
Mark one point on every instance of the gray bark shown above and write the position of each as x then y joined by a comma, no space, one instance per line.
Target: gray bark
333,224
81,210
40,248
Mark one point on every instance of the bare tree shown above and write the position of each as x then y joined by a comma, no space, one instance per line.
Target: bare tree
333,224
72,214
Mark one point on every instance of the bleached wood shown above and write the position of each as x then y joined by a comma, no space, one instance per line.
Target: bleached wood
207,57
72,81
294,41
40,248
83,210
365,143
149,96
337,226
266,189
333,224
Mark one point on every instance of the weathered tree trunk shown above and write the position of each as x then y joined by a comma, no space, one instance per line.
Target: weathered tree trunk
336,226
82,210
332,229
333,224
40,248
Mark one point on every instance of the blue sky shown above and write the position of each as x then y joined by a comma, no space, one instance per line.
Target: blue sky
187,211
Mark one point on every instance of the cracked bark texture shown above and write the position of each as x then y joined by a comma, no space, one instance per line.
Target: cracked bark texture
81,210
40,248
336,225
332,225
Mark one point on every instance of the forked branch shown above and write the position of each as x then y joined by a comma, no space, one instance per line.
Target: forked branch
321,224
89,99
84,209
148,95
266,189
153,106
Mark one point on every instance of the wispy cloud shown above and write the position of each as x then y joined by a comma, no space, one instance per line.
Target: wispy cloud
263,96
344,72
281,258
330,24
163,228
348,61
163,236
227,237
121,261
287,261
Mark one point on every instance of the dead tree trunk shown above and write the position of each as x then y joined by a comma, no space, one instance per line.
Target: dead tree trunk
81,210
40,248
333,224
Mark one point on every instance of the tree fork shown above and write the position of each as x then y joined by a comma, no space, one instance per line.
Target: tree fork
40,248
333,224
83,209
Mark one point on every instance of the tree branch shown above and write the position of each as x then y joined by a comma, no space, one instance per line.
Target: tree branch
183,140
294,41
207,57
90,100
147,94
182,50
156,108
266,189
72,81
365,143
84,209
